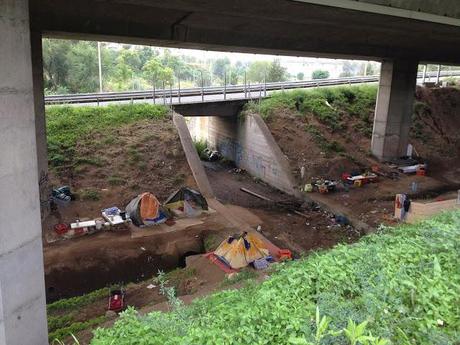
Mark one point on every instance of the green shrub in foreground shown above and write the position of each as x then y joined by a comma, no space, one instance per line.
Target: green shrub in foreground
402,284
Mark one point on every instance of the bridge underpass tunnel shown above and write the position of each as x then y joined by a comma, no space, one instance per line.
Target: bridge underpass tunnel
394,108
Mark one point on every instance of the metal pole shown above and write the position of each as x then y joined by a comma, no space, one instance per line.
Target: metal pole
99,57
164,93
265,87
178,81
438,75
225,85
365,68
245,86
202,86
170,93
424,74
154,93
250,95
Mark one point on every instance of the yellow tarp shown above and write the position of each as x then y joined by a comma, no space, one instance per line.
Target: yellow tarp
237,255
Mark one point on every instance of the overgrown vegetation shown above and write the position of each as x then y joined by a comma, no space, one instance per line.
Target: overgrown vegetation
67,125
327,104
200,146
63,315
77,302
399,286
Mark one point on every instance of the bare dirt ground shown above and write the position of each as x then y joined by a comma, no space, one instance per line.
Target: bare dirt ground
280,225
434,135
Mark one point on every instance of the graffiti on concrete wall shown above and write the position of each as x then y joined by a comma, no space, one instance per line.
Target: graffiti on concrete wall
44,193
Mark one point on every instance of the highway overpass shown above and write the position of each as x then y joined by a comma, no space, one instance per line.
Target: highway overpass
399,33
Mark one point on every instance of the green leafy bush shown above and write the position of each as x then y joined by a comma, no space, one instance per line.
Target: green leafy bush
401,284
327,103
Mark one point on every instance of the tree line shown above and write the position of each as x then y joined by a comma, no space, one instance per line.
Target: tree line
72,67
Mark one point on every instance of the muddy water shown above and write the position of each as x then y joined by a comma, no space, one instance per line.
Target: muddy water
67,281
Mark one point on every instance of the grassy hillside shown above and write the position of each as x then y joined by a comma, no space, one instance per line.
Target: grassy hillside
67,125
107,155
399,286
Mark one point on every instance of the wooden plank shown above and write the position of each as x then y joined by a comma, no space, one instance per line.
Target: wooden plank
256,195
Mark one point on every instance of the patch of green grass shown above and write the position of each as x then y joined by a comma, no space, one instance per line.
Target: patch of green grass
134,155
109,140
323,143
90,194
77,302
60,321
327,104
115,180
73,328
94,161
400,284
211,242
68,124
242,276
200,146
175,277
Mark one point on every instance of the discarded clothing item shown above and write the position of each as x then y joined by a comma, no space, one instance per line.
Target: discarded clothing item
342,220
412,169
145,210
186,201
260,264
240,250
211,155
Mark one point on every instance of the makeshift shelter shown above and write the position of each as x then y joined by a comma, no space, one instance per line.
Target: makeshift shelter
145,210
240,250
186,201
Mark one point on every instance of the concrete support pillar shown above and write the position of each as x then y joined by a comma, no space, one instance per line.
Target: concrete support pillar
22,287
40,122
393,111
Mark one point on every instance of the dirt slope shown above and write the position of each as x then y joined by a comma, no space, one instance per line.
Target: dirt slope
326,152
117,165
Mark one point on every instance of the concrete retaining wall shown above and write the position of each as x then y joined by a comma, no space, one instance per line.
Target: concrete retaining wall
248,142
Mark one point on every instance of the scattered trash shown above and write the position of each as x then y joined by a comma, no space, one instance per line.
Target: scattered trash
259,228
261,264
284,254
114,216
62,196
151,286
211,155
61,228
117,300
359,179
341,220
142,248
321,185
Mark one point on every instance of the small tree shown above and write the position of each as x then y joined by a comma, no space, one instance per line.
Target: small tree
320,74
276,72
300,76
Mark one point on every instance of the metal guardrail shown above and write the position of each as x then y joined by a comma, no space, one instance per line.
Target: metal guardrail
247,89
